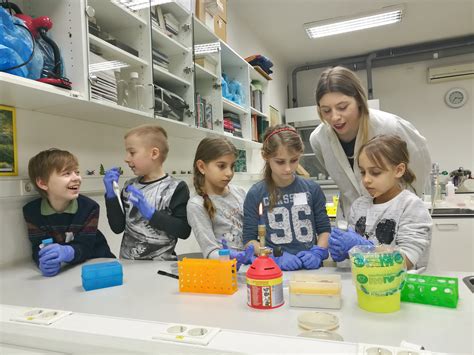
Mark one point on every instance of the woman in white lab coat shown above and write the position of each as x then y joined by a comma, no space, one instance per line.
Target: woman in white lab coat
348,123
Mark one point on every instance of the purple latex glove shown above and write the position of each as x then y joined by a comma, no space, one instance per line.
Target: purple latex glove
56,253
109,178
288,262
340,242
137,198
49,268
244,257
313,258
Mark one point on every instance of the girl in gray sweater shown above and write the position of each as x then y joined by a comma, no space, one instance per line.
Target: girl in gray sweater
215,213
388,213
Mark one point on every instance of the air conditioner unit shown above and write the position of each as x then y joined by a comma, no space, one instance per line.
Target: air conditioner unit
451,72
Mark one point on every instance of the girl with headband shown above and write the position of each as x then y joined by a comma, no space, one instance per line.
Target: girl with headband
293,208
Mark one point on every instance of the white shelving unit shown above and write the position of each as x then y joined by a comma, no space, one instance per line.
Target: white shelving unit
112,52
130,31
209,85
177,75
133,28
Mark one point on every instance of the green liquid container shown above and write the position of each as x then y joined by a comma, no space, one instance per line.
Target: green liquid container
433,290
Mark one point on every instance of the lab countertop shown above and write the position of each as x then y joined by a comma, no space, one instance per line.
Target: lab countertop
148,296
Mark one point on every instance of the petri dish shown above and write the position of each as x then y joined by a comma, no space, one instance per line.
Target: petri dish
318,321
321,334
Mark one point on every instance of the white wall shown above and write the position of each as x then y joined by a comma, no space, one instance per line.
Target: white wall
93,144
245,42
404,90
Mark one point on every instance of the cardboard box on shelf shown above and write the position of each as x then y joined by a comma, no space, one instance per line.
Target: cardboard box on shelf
207,64
214,7
220,28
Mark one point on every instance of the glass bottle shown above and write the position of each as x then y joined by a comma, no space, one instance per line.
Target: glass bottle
136,92
122,89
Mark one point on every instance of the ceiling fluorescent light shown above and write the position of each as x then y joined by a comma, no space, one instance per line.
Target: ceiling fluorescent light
103,66
141,4
207,48
385,16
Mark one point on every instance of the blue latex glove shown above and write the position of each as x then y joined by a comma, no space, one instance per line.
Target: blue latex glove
56,253
109,178
244,257
49,268
137,198
288,262
313,258
340,242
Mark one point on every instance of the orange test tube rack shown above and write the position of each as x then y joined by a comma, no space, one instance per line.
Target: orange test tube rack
207,276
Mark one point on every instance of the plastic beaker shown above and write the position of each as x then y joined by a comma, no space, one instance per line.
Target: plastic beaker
378,273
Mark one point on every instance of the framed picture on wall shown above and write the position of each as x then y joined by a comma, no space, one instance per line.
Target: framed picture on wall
8,145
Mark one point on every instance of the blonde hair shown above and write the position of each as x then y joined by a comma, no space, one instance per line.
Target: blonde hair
342,80
389,149
45,163
154,136
273,138
209,149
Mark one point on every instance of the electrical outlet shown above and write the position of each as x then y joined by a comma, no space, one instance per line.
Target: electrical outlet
41,316
26,188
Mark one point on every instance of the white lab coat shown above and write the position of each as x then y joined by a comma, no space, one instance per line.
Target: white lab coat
331,159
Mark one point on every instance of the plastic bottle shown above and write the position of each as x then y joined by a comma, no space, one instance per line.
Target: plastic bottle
450,189
136,92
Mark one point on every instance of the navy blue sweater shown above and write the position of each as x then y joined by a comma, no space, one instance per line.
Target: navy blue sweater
295,222
88,242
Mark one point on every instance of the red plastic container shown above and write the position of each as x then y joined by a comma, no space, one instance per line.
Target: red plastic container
264,284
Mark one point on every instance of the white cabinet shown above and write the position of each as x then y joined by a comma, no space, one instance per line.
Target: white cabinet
452,245
234,117
92,34
172,58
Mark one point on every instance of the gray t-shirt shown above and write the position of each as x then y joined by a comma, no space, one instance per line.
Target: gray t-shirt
227,222
403,221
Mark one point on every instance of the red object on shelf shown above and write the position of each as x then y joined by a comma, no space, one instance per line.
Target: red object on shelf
264,284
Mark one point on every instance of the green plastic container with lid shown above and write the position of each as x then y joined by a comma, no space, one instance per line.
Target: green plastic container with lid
433,290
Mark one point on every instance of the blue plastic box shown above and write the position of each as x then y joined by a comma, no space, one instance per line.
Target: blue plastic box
102,275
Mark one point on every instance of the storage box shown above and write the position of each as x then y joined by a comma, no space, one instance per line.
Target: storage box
214,7
207,63
102,275
220,28
319,291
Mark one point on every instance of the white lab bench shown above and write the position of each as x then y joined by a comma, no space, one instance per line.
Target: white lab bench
147,296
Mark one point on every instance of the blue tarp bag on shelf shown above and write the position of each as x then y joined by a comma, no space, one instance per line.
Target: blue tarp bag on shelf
18,53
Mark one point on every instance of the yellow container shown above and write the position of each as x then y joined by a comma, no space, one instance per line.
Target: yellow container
379,275
207,276
319,291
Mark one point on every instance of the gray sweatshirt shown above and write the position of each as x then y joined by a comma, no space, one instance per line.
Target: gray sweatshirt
227,222
403,221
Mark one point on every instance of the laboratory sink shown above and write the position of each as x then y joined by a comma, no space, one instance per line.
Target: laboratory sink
453,212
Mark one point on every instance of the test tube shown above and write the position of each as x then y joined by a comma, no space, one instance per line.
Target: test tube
46,242
224,254
342,225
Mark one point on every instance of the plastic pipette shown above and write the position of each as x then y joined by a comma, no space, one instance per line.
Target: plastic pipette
117,193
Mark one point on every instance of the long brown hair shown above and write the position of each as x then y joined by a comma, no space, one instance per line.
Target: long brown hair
389,149
342,80
273,138
209,149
